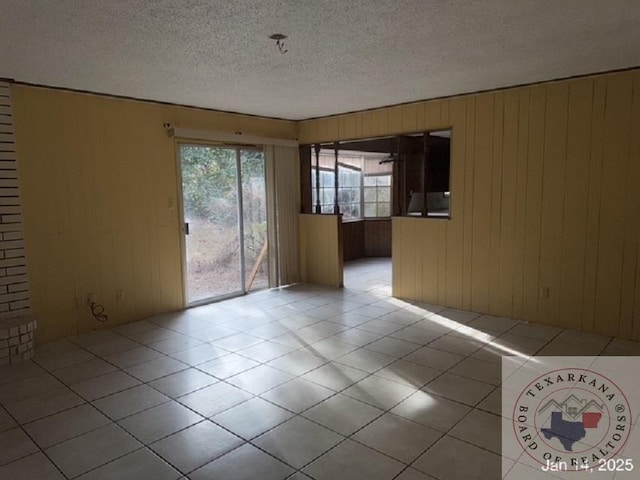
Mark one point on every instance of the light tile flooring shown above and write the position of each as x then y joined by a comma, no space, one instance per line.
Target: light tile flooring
302,382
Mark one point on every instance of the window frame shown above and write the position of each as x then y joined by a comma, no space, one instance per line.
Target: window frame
377,201
328,208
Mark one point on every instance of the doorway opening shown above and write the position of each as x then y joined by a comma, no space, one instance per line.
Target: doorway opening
368,182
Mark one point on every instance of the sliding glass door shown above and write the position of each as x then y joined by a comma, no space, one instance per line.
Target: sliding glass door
225,221
254,219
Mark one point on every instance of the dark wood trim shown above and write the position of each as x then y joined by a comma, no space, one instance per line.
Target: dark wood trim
380,145
403,148
317,152
336,205
402,162
396,188
305,179
426,157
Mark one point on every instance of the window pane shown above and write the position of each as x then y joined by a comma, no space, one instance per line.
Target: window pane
347,195
313,186
384,180
348,177
326,179
355,179
326,195
369,181
370,194
351,210
384,194
384,209
350,186
369,209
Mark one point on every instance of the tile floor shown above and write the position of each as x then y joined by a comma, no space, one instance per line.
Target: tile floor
302,382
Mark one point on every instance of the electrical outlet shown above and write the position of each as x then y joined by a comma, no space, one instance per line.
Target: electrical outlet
120,295
91,297
544,292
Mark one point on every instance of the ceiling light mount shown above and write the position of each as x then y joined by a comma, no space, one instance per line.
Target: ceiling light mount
279,38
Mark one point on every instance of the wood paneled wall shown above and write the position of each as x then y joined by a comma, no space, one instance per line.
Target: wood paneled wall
321,249
366,238
377,238
99,187
545,194
353,240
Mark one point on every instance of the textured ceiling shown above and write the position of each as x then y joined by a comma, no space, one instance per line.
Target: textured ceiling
343,55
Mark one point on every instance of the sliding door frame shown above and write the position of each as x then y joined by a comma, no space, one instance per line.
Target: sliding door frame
240,212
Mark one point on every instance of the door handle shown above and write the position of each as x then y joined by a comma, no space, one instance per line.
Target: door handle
186,228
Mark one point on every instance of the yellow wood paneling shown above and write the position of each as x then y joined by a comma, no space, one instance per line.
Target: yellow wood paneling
553,190
481,261
533,204
409,118
496,207
432,118
506,251
467,211
307,130
407,269
349,126
617,122
520,203
319,249
441,254
97,178
545,194
576,190
632,219
444,113
427,232
395,120
454,241
593,203
397,276
413,269
323,128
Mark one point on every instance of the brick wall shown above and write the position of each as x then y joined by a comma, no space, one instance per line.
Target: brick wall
16,340
14,286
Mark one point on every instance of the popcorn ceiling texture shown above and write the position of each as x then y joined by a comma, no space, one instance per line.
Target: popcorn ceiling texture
342,56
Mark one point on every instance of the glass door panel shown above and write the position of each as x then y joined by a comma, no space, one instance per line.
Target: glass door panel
254,216
212,222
